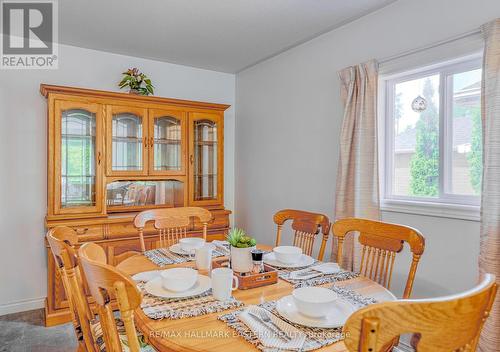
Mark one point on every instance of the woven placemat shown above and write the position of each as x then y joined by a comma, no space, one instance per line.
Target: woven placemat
315,337
342,275
178,308
163,256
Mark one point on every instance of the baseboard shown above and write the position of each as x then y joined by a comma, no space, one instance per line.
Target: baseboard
22,306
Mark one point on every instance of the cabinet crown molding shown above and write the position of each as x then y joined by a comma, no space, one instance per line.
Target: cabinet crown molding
46,89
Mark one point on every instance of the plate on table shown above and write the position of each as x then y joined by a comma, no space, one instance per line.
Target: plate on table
336,318
304,260
154,287
176,248
146,275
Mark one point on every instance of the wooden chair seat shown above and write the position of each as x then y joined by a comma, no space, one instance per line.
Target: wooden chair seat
380,243
122,334
443,324
306,226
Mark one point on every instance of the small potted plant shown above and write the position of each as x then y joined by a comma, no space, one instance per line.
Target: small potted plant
241,247
137,82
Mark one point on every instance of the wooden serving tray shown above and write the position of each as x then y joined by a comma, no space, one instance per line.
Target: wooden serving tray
245,282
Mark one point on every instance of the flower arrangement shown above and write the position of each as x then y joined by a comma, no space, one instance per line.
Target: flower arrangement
137,81
238,238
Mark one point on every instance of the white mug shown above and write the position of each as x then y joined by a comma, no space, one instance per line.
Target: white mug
203,257
223,283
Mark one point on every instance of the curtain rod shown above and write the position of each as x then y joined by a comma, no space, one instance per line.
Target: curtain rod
430,46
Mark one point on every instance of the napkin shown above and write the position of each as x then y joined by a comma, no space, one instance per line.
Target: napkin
146,276
222,246
326,268
266,336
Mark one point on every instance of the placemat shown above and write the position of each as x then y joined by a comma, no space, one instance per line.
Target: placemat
163,256
178,308
342,275
316,337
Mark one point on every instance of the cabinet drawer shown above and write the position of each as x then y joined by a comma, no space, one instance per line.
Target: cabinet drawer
220,221
88,232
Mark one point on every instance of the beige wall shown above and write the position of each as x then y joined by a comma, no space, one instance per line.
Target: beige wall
288,123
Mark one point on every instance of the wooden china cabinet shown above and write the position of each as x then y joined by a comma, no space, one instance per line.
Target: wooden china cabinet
111,155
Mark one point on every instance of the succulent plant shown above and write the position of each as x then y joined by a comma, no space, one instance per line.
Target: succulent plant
239,238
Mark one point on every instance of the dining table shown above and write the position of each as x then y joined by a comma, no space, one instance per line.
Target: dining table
206,332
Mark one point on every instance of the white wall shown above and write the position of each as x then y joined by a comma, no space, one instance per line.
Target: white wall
23,152
288,123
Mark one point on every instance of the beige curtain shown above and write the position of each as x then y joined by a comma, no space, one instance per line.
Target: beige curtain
357,189
489,257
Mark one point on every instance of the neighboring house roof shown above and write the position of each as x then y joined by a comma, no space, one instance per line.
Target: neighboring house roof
462,128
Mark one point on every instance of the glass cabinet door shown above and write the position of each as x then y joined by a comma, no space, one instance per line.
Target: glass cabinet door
78,150
167,136
127,141
206,158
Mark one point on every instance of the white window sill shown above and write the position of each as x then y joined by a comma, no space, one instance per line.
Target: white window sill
441,210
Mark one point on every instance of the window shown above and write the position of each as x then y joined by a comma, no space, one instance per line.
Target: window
433,135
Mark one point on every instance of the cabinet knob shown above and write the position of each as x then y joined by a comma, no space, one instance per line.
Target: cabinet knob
81,231
191,159
99,158
152,142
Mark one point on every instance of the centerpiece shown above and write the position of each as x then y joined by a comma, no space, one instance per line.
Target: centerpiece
137,82
241,248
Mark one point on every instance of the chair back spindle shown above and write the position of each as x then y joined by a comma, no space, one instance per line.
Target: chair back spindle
62,240
105,283
172,224
306,227
380,242
443,324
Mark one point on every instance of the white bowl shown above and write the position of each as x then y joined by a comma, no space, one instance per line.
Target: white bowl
190,243
287,254
179,279
314,302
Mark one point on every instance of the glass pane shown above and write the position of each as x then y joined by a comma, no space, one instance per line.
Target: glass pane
467,150
167,143
78,128
168,193
416,137
127,142
205,160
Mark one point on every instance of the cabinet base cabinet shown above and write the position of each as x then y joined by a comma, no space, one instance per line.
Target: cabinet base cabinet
117,235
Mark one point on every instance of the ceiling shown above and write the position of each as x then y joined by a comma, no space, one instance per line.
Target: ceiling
220,35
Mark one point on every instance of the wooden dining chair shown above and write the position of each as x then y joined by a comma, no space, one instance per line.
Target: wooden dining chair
105,283
62,240
306,226
380,243
451,323
172,223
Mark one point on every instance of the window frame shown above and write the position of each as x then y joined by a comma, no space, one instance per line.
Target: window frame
446,204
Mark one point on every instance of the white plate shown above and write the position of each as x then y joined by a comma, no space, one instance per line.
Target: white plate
176,248
155,288
304,260
146,275
336,318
